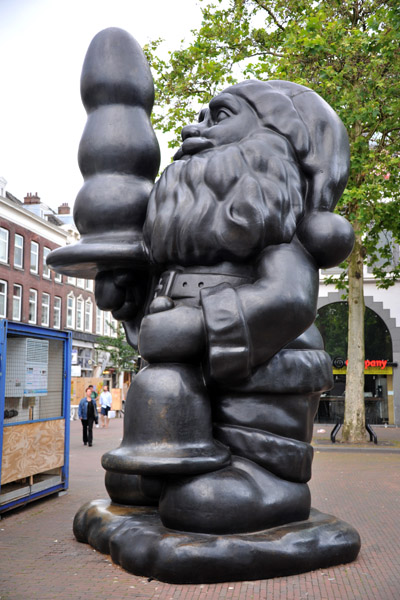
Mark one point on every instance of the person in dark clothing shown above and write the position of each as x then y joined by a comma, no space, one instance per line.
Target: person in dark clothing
88,415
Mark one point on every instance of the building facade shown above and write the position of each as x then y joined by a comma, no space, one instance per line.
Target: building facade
31,293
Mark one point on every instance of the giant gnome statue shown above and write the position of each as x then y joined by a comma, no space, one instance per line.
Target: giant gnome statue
214,273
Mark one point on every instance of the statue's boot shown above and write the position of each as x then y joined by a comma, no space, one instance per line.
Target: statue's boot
243,497
133,490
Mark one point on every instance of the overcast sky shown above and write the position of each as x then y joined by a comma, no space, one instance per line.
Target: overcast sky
42,47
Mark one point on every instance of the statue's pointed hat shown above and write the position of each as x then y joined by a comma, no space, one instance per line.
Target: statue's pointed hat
315,131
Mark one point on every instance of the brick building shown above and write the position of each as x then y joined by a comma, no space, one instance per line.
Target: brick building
31,293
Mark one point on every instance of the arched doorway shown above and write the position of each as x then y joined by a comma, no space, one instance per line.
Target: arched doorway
332,322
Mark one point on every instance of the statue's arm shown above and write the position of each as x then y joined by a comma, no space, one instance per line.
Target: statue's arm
246,326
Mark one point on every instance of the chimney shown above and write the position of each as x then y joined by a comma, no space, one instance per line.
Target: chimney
32,198
64,209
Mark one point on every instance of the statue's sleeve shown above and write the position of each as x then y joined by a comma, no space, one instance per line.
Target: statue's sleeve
248,325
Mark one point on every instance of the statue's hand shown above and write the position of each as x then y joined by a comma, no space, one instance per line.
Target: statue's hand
119,291
172,333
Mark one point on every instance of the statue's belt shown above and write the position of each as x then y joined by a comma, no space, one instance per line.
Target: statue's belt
177,284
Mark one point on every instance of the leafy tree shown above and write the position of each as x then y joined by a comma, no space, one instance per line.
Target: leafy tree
122,356
348,52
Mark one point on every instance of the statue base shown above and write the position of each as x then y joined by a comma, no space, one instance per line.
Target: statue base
138,542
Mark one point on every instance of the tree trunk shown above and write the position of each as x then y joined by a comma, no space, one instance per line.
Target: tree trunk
354,414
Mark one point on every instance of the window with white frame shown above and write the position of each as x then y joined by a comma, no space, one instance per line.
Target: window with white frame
4,235
19,251
99,321
34,257
107,321
80,283
58,277
3,299
32,306
88,315
17,302
70,311
71,280
89,285
79,313
114,327
46,269
45,309
57,313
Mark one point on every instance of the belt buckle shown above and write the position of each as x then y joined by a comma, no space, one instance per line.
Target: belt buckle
165,284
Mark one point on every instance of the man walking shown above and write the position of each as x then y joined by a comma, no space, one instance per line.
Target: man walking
105,405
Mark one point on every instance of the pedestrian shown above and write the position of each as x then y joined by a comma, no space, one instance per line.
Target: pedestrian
105,405
94,393
87,412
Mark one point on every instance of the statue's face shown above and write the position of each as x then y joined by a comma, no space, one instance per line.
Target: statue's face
227,119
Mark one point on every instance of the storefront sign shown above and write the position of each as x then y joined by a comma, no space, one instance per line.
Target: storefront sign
371,367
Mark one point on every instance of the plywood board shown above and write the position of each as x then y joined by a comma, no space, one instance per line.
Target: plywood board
116,395
32,448
79,385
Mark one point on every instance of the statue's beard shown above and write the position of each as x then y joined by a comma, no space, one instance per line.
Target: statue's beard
225,204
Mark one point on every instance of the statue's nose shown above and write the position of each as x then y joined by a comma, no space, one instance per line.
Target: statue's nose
190,131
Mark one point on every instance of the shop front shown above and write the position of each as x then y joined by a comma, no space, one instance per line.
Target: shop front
378,394
378,367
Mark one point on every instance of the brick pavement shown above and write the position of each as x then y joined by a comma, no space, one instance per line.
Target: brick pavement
40,559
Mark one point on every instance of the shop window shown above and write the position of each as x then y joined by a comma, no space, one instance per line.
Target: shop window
4,235
57,313
34,257
32,307
18,251
17,302
45,309
46,269
3,299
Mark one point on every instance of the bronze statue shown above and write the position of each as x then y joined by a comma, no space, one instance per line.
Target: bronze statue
214,273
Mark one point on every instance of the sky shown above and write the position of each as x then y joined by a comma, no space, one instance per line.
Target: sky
42,47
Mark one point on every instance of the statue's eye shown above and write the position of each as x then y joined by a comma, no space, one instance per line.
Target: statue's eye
222,114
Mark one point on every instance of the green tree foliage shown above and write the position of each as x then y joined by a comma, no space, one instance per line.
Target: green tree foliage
332,322
122,356
348,52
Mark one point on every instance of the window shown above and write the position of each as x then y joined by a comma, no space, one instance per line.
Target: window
70,311
34,257
18,251
17,302
89,285
79,313
58,277
3,245
45,309
88,315
114,327
107,321
3,299
46,269
80,283
57,313
32,306
71,280
99,321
